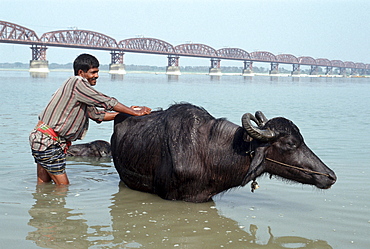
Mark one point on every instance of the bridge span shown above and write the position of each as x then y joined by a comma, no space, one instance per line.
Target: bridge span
84,39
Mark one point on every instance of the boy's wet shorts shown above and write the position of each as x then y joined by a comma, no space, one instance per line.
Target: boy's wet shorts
53,159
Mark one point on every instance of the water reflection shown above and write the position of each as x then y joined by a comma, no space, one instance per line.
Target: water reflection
248,78
172,78
56,226
215,77
295,79
149,221
39,74
141,220
274,78
144,220
117,77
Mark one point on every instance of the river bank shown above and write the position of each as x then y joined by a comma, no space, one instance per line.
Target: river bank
206,73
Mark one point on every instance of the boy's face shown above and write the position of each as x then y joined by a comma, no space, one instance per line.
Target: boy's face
91,75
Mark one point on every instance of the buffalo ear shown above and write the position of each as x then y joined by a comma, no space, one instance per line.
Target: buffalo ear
256,168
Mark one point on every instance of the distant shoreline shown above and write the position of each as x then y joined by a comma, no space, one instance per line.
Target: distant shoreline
205,73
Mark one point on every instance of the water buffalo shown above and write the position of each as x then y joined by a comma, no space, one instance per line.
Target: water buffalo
184,153
97,148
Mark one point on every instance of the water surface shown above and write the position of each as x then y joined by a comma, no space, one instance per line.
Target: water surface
95,211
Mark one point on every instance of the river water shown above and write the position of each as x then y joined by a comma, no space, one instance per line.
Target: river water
96,211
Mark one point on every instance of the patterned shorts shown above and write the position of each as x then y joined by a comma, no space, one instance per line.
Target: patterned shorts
53,159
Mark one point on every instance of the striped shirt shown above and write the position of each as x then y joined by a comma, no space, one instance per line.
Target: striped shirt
69,110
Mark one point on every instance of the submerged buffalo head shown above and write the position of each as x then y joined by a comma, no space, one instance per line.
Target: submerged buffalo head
97,148
282,151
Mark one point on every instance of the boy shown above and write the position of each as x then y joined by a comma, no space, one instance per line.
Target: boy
66,119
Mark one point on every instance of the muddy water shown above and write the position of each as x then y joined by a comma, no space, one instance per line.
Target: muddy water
95,211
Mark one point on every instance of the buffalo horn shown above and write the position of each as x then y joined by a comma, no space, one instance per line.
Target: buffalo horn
257,133
262,120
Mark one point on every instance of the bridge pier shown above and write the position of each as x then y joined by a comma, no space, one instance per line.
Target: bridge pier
173,65
329,71
248,68
39,64
296,69
117,66
274,68
215,69
313,70
342,71
354,71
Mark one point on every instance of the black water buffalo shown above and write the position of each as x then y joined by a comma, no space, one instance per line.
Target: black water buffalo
184,153
97,148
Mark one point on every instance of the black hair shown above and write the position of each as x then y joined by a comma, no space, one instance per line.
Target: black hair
85,62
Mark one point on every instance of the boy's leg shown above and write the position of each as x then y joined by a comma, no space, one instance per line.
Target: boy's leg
43,177
61,179
53,161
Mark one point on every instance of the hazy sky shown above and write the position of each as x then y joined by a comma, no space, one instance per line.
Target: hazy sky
335,29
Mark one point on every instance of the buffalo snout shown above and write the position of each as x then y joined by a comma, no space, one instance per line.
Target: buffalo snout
326,181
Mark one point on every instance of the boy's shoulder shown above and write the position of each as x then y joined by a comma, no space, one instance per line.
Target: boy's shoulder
77,79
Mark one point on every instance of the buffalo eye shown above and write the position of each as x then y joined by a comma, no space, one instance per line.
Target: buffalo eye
289,143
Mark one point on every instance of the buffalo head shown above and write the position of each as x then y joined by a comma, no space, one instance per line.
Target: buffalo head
97,148
280,150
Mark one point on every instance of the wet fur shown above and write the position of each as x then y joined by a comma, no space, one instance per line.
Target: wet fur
184,153
98,148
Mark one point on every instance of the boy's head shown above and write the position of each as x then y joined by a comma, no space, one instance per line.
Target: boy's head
87,66
85,62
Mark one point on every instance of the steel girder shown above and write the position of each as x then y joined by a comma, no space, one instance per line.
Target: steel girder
349,64
337,63
263,56
352,66
13,33
196,49
146,45
233,53
360,68
306,60
360,65
287,58
323,62
79,38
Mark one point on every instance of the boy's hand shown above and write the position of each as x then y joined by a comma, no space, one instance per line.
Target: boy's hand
141,110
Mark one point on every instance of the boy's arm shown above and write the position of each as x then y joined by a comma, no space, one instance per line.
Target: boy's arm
110,116
133,110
